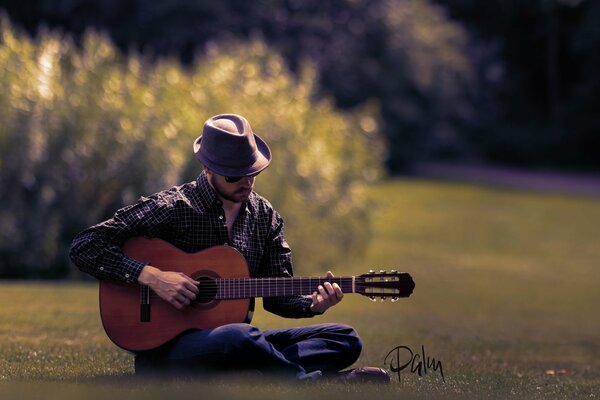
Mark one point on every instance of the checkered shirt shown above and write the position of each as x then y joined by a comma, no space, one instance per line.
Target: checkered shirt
191,218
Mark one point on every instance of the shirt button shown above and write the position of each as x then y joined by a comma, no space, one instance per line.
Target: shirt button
126,275
220,217
101,268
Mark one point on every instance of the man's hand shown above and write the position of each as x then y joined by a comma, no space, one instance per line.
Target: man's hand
328,295
174,287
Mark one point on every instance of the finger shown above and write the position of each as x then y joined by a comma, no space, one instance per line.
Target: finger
189,279
329,274
190,286
338,291
179,298
328,288
323,292
314,298
188,294
185,303
176,304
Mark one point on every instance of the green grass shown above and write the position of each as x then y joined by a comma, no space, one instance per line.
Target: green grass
507,288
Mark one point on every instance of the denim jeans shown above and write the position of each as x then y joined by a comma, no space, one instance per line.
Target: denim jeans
304,352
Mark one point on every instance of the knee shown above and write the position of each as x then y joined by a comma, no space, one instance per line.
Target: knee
349,342
236,336
353,342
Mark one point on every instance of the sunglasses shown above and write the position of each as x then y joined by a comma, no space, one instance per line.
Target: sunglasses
233,179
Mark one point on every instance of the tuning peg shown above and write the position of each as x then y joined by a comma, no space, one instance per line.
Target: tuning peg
393,271
383,298
371,271
381,271
372,298
394,299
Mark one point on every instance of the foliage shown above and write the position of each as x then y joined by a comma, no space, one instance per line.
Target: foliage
404,54
86,130
500,80
538,91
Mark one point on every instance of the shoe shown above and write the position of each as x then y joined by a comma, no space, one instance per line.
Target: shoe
363,375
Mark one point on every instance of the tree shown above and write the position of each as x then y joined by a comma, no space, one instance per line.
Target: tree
406,55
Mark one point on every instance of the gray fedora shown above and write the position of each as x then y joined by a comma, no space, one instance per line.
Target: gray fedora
228,147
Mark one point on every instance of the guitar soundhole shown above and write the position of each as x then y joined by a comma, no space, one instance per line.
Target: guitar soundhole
208,290
205,299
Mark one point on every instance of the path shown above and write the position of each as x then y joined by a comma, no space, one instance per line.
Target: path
561,182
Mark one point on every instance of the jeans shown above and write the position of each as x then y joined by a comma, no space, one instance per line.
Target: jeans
302,353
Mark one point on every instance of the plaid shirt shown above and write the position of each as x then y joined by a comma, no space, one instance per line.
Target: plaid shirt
191,218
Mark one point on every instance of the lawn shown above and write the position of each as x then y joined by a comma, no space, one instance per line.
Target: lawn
507,290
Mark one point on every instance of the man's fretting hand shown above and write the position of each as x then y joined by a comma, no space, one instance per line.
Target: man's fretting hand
174,287
328,295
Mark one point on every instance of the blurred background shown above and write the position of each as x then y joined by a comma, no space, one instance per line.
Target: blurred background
100,102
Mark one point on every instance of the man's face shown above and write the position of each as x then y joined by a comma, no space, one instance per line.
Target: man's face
236,192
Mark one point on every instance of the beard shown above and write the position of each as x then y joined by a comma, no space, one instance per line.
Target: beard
236,196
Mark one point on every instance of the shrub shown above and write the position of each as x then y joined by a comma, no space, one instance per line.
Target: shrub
86,130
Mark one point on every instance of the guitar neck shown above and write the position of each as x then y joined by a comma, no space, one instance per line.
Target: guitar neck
241,288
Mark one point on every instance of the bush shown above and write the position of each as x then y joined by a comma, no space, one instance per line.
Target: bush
86,130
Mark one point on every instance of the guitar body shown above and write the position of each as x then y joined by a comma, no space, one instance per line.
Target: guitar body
120,303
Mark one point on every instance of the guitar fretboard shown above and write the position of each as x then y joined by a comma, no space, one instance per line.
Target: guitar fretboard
241,288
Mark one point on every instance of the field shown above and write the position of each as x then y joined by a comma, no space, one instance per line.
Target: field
507,293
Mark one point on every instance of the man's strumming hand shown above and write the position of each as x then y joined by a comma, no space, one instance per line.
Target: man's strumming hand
174,287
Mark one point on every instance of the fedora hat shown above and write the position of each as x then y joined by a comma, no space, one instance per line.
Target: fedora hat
228,147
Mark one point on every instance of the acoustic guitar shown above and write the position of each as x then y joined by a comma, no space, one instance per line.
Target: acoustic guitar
136,319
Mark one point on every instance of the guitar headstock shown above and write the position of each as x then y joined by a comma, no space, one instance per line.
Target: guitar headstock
383,284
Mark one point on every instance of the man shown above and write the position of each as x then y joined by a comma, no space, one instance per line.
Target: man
220,207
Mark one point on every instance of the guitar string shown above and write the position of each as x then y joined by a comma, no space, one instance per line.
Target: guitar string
248,288
237,286
279,285
285,283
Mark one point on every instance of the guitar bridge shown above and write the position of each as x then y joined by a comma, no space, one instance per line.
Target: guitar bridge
144,304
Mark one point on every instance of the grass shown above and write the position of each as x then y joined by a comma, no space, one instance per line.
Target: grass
507,289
